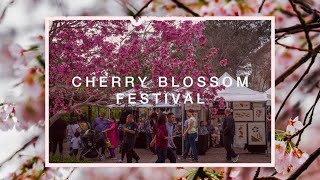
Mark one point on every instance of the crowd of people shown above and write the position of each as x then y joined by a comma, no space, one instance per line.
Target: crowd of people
160,129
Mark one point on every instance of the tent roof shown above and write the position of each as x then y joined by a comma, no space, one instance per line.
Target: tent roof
235,93
268,92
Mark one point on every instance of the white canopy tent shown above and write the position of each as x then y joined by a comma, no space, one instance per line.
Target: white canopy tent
268,96
238,93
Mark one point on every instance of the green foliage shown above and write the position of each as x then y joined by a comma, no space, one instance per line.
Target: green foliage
208,173
40,60
116,113
61,159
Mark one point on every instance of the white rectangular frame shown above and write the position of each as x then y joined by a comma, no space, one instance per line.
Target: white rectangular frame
238,105
134,22
249,119
245,133
263,124
263,114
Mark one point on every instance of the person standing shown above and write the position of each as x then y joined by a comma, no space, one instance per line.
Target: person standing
100,124
154,125
211,131
171,150
112,134
130,131
161,139
191,134
71,129
57,134
76,143
228,130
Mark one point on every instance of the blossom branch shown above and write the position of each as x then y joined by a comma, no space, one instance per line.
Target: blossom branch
310,120
30,142
305,165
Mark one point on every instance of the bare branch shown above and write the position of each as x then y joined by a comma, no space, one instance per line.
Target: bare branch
303,23
260,8
29,142
291,47
257,173
71,172
296,85
184,7
140,11
2,15
298,28
304,59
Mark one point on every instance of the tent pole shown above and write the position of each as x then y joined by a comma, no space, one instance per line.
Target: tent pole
182,123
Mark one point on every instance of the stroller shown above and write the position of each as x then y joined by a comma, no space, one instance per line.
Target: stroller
91,142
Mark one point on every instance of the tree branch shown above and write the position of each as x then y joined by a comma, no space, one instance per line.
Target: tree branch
304,59
298,28
296,85
71,172
305,165
184,7
140,11
303,23
29,142
310,119
291,47
260,8
257,174
5,10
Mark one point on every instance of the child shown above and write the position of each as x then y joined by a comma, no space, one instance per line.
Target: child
76,143
216,137
203,128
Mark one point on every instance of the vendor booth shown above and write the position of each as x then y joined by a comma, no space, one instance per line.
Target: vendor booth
249,112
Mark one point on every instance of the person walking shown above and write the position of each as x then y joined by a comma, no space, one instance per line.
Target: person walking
161,139
228,130
171,150
112,134
130,131
191,135
100,124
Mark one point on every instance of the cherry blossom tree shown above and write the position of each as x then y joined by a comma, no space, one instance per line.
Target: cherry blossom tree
117,48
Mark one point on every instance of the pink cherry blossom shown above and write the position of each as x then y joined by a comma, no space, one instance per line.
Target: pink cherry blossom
294,125
223,62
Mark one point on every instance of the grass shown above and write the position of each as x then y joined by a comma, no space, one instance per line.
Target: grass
61,159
